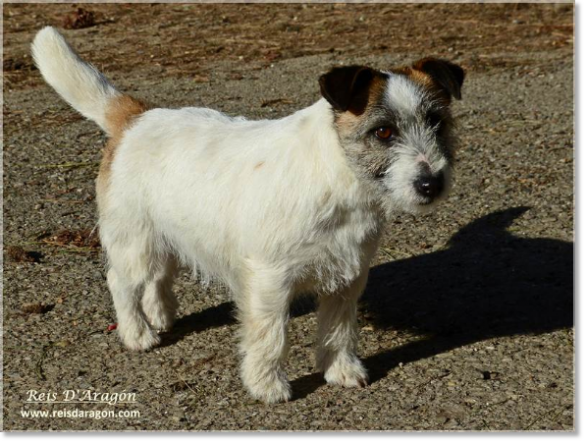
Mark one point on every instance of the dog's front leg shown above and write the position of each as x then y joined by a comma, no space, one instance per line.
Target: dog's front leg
338,336
263,309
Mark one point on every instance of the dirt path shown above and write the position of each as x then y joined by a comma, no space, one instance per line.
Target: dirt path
467,322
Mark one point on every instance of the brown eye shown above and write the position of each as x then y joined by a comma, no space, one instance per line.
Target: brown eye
383,133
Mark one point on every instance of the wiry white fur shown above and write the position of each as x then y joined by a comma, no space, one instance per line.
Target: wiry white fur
418,145
78,82
271,208
402,94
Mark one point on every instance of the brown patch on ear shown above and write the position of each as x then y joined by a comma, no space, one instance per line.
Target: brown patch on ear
425,80
447,76
121,111
428,84
420,77
376,89
348,121
347,88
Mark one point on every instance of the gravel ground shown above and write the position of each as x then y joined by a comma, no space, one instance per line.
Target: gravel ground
467,322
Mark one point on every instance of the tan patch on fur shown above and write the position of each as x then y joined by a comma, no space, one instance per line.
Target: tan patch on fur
376,90
420,77
427,82
415,75
259,165
347,121
122,110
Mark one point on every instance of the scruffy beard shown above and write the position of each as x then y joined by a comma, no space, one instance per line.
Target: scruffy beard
390,173
402,197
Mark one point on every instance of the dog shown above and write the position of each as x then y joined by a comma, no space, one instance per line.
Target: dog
272,208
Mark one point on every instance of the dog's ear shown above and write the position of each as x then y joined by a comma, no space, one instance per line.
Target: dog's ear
346,88
447,75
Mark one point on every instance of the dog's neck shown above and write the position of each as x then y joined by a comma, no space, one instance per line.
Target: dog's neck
316,127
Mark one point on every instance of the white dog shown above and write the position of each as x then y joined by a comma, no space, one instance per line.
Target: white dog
272,208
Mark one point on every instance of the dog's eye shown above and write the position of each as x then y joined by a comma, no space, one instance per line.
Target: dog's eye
383,133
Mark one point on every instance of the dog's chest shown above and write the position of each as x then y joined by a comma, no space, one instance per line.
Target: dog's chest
341,251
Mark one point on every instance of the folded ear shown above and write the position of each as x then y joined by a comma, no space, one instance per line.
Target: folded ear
346,88
448,76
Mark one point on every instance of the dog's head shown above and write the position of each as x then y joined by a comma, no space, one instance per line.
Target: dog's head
396,128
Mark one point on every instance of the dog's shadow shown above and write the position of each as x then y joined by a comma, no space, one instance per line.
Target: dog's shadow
487,283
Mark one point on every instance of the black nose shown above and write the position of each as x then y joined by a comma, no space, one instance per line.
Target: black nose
430,186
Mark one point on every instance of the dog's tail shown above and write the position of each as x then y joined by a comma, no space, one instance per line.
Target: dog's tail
81,84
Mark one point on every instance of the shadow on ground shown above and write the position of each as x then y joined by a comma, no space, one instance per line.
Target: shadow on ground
213,317
487,283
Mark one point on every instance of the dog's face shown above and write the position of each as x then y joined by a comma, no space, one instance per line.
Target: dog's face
396,128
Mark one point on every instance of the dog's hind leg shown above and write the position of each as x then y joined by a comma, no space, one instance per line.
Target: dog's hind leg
133,327
133,265
338,336
159,302
263,309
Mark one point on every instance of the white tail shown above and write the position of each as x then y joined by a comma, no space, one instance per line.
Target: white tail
78,82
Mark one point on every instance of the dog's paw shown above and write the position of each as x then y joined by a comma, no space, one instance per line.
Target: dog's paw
273,393
160,320
138,339
159,309
271,389
349,373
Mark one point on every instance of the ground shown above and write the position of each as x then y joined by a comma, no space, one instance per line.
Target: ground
467,322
